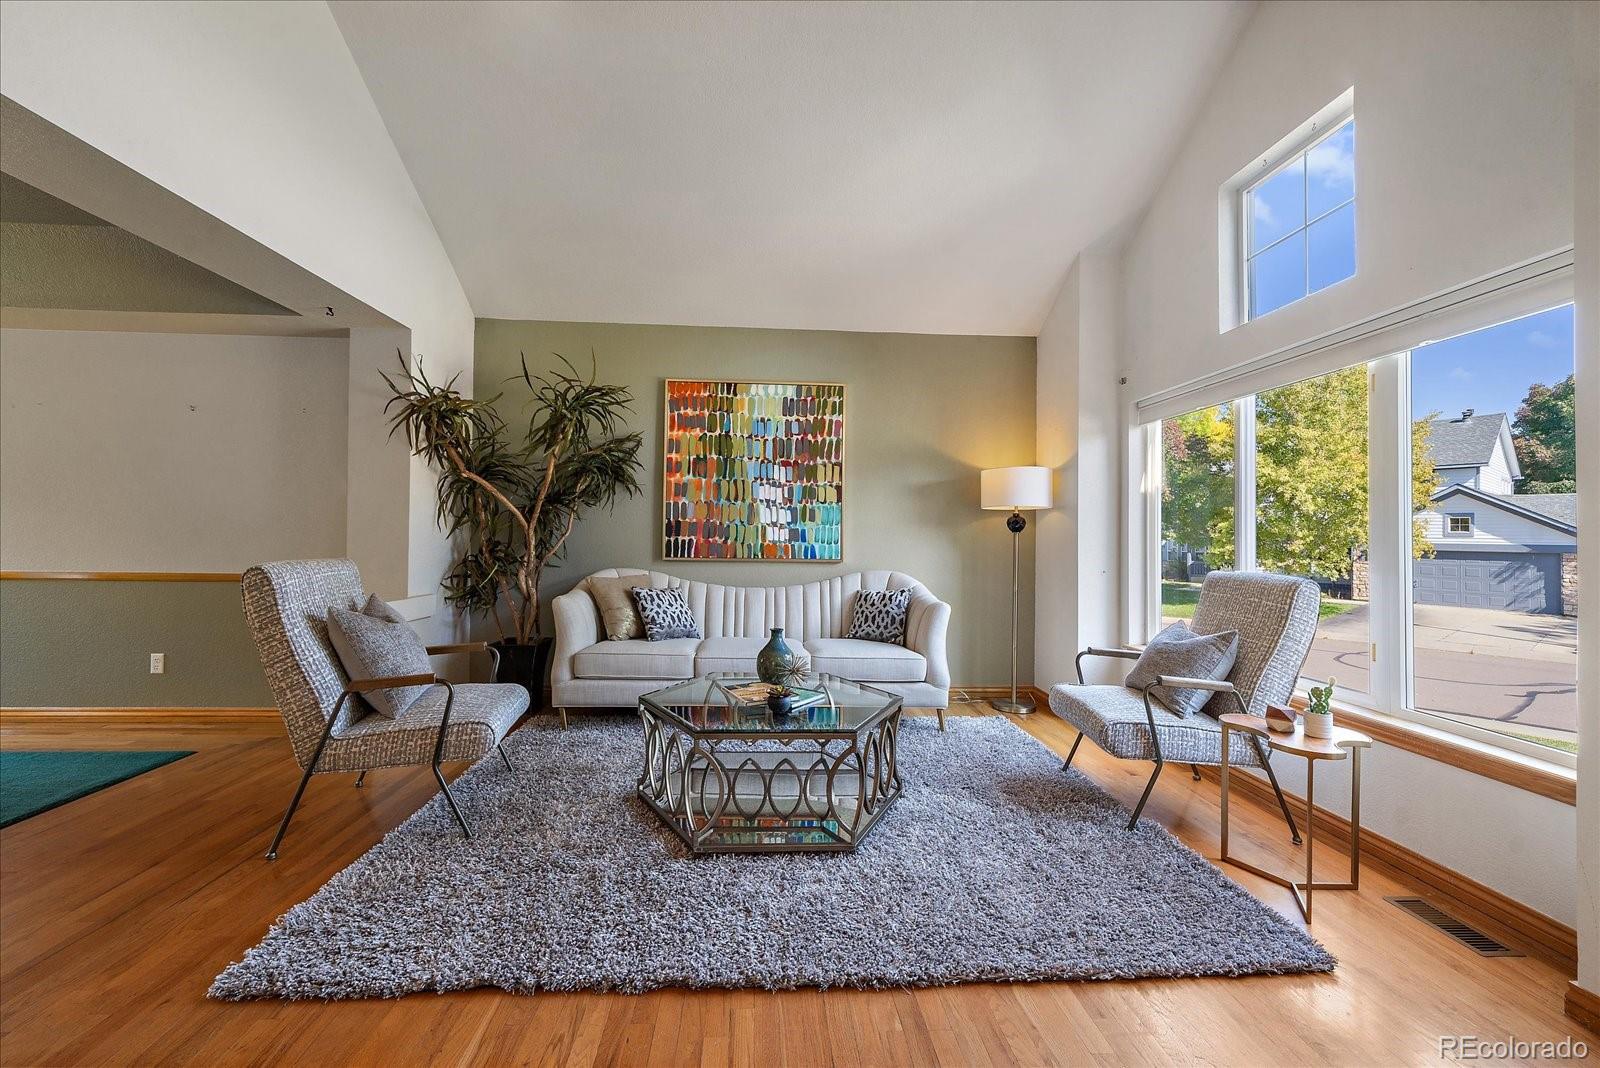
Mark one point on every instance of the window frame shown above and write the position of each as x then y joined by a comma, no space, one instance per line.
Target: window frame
1390,518
1283,158
1450,530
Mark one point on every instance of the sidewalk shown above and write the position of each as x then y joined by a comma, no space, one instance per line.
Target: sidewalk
1513,635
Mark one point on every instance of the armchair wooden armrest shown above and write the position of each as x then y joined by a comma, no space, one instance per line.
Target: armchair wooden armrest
1119,654
458,647
1180,682
367,685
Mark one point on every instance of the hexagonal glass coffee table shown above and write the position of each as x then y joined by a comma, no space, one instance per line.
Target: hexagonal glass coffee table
735,778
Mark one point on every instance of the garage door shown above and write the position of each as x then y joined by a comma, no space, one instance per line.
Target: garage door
1520,582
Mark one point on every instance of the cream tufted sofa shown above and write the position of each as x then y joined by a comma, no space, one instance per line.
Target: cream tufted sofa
590,671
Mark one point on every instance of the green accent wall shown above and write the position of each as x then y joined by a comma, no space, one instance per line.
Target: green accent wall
924,413
75,643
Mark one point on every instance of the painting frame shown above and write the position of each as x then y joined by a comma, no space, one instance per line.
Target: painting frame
667,474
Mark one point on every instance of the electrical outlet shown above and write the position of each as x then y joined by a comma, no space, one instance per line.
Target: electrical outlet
158,663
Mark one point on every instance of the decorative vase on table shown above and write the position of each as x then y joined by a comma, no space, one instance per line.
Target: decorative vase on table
776,661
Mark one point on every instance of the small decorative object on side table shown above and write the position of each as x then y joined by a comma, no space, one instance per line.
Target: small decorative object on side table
1341,742
1319,711
1281,719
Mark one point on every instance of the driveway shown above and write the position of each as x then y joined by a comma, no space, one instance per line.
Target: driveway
1516,635
1512,671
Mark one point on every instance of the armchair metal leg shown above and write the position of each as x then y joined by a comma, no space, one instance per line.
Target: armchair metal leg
311,766
501,750
277,839
1151,785
359,779
438,756
1073,751
1266,762
451,801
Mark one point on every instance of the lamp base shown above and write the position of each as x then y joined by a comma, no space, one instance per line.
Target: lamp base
1020,707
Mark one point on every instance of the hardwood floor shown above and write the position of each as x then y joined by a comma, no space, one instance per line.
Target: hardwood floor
117,910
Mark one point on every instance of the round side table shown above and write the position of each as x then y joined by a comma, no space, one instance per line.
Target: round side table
1344,743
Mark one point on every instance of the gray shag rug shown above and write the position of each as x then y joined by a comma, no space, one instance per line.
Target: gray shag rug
995,865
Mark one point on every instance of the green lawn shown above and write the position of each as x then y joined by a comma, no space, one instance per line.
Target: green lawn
1554,743
1179,598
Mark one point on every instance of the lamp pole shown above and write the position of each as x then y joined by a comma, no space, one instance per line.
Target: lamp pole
1016,524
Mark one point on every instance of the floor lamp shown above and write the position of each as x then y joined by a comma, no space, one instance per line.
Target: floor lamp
1013,489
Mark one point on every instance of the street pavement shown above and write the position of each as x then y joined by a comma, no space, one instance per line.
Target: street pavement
1518,671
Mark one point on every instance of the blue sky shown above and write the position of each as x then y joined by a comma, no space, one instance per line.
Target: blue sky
1288,258
1491,369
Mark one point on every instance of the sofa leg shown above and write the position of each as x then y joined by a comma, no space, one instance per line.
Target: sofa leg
941,717
1195,768
562,710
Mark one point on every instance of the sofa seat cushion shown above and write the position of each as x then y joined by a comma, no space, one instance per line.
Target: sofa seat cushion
864,661
734,654
1113,717
670,658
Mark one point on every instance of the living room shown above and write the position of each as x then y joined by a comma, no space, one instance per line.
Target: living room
785,434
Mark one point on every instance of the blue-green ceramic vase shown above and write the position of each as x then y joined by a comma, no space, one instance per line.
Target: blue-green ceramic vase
775,658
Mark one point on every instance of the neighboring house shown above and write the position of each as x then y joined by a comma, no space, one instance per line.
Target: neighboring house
1493,548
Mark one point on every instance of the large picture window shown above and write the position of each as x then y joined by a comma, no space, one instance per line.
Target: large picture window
1463,613
1311,510
1494,629
1197,488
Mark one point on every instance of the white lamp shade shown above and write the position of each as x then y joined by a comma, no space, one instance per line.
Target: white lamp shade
1008,488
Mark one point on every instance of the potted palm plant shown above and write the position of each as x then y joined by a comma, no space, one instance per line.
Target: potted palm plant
516,502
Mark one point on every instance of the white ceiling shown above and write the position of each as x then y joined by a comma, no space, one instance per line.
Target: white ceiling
923,167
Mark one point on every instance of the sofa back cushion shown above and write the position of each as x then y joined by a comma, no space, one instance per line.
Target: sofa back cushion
819,609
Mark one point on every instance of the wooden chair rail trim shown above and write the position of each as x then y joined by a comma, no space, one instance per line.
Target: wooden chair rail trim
122,576
1527,927
21,716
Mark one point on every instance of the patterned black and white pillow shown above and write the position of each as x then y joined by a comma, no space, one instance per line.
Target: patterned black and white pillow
881,616
665,613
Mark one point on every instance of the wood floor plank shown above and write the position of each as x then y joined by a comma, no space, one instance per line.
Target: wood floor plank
116,911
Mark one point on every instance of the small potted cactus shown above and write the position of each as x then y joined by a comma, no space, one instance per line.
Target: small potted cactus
1319,711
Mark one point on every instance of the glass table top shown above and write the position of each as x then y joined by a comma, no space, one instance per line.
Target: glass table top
705,705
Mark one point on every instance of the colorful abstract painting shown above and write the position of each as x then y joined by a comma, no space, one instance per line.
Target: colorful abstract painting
753,471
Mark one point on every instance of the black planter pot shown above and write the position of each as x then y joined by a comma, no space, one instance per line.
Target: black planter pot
525,665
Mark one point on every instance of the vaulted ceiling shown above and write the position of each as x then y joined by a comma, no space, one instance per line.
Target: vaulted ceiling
903,167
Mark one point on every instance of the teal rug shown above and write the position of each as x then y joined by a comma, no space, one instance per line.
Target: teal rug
32,782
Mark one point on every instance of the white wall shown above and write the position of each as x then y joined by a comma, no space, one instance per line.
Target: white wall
169,452
1464,166
1586,45
257,114
1076,436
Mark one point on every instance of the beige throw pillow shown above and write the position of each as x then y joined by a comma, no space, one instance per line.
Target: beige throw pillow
614,598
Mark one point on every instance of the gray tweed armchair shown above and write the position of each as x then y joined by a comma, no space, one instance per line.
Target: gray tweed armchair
1276,617
286,608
